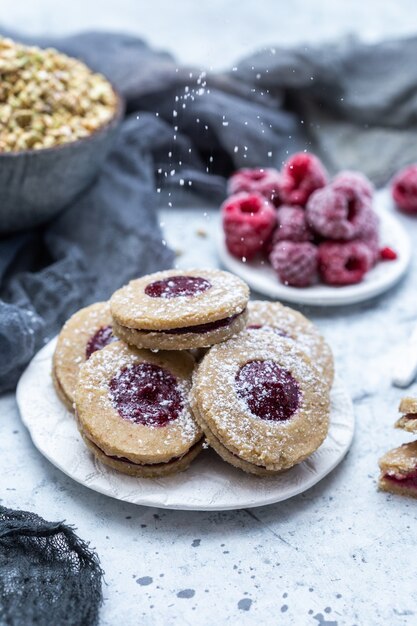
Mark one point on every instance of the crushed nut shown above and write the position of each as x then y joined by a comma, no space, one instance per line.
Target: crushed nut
48,98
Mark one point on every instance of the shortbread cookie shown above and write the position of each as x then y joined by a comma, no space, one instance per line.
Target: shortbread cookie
286,322
133,410
399,470
408,421
180,310
261,402
85,332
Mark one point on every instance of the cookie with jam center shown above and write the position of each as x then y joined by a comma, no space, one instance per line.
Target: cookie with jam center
399,470
88,330
286,322
408,420
261,402
133,410
180,310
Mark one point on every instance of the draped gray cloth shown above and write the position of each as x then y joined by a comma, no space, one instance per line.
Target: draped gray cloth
353,104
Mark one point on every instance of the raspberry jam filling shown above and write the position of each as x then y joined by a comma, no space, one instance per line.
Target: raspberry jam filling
405,480
269,391
99,340
277,331
201,328
146,394
177,286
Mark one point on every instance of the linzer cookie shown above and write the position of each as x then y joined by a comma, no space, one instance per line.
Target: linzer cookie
133,410
408,420
261,402
399,470
85,332
180,310
284,321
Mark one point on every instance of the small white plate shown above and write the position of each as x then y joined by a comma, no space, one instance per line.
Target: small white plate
208,485
261,277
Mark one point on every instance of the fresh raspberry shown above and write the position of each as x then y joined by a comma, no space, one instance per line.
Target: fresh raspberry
404,189
264,181
370,234
302,174
295,262
388,254
337,214
248,222
343,262
354,183
291,225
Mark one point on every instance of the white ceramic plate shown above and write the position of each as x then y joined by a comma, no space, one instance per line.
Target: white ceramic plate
208,485
261,277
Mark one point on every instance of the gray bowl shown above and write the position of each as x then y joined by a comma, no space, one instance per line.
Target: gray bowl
35,185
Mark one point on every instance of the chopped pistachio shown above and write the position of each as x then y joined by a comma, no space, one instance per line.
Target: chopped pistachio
48,98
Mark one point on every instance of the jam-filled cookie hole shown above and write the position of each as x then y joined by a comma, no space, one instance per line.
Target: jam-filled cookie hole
270,392
176,286
99,340
146,394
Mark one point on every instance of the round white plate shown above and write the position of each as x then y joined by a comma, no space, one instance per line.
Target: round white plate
208,485
261,277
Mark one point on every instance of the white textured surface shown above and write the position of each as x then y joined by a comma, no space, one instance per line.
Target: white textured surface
261,277
340,554
208,485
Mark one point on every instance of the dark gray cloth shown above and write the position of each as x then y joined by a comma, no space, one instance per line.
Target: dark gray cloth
48,575
353,104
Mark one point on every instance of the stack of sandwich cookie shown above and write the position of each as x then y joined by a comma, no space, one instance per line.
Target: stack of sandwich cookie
180,310
88,330
143,406
261,402
399,466
133,410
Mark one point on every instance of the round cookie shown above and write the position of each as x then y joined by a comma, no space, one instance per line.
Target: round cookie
180,310
133,410
286,322
261,402
88,330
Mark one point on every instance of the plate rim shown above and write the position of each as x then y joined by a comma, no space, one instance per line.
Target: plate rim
333,296
305,485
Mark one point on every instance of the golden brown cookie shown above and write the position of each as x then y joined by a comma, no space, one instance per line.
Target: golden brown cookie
85,332
399,470
408,421
288,323
133,408
261,402
180,310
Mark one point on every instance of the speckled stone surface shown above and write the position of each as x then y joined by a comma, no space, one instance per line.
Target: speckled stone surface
341,554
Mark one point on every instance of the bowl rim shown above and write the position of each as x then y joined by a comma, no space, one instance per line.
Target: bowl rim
104,128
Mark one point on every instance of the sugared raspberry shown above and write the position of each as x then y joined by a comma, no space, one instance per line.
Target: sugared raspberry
343,263
291,225
354,183
248,222
295,262
337,214
404,189
388,254
302,174
264,181
370,234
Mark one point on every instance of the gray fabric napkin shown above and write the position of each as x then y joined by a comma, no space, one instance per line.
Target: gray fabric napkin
353,104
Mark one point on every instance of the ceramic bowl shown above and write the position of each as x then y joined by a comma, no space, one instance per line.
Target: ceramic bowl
35,185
